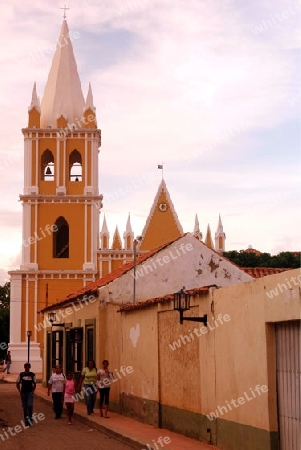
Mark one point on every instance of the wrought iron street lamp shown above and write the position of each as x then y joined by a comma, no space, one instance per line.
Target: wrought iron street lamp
29,334
182,303
52,319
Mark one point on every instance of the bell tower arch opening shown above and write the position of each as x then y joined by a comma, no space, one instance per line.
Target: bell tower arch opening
75,166
47,166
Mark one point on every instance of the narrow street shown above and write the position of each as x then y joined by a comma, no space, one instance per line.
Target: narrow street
47,432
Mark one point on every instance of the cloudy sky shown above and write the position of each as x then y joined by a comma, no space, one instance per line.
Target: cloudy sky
209,87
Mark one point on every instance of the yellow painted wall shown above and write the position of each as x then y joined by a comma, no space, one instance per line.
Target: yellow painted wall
179,369
162,227
231,358
105,268
34,118
47,215
244,344
140,350
57,290
110,348
116,263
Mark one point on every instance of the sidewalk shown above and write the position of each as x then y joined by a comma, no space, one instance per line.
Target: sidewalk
128,430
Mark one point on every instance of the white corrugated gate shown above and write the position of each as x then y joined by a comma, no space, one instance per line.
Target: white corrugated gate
288,342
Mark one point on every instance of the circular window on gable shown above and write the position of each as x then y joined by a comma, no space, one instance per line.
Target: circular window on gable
163,207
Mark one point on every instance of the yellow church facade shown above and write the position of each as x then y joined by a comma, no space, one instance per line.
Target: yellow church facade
62,248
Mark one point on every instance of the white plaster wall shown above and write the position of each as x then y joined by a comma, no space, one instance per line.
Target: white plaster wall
187,262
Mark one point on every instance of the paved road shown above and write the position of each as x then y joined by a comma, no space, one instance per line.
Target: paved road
48,433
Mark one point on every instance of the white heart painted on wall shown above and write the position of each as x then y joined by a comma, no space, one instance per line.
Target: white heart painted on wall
134,334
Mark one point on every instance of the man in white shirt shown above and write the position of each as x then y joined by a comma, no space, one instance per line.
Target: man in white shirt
56,384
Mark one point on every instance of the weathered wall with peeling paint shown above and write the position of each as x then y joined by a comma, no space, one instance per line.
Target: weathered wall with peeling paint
205,371
187,262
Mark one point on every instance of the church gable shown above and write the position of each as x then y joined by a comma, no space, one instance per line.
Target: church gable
162,224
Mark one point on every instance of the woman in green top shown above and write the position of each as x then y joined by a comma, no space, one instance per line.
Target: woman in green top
88,378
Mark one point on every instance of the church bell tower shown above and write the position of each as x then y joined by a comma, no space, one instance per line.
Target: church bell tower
61,202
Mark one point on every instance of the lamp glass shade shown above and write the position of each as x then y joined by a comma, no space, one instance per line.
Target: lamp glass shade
181,300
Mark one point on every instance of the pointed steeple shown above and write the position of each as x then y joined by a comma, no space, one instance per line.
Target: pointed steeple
220,237
34,110
219,225
162,224
128,235
117,244
104,235
63,93
196,231
35,101
89,100
104,228
208,239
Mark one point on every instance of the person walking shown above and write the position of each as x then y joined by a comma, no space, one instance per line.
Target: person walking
26,384
104,377
70,390
56,385
7,362
89,377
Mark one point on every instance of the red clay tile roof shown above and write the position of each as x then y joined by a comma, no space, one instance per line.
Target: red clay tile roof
258,272
165,299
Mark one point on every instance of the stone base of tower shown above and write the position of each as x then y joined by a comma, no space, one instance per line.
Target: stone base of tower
19,356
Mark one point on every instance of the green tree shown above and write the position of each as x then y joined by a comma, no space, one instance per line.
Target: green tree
4,316
283,260
5,295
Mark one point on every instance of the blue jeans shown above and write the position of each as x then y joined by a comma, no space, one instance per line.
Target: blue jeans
27,403
90,392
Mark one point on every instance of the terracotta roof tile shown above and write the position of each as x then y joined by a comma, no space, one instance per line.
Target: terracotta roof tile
258,272
167,298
